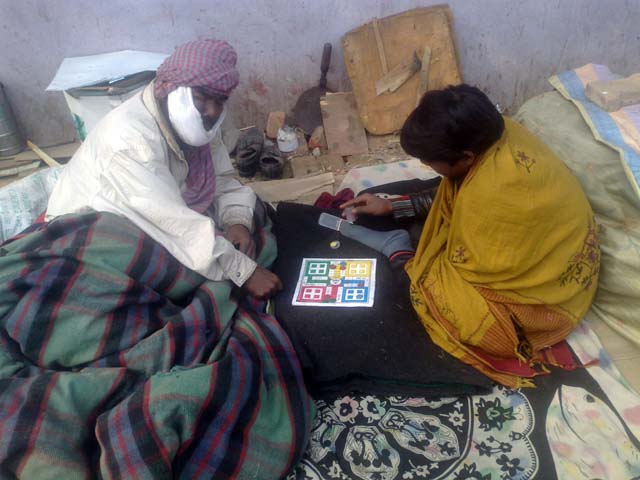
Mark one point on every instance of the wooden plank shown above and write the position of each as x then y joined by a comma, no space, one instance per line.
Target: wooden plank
9,179
293,188
343,129
7,163
393,80
402,33
424,75
59,152
16,169
44,156
379,44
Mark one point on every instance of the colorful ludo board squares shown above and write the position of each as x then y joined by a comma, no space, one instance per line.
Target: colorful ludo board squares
336,282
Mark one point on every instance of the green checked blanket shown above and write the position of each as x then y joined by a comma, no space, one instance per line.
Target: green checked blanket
117,362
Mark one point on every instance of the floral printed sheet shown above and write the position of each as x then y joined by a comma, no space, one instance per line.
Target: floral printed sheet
567,427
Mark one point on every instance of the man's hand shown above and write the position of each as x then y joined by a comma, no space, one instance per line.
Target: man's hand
263,284
368,204
240,237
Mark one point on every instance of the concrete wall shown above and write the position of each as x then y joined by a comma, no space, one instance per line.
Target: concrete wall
506,47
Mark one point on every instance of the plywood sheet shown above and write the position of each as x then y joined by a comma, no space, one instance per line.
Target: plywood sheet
342,126
400,35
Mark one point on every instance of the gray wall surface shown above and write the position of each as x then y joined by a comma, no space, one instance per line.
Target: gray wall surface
506,47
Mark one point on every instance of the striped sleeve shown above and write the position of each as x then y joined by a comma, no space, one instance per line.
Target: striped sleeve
403,208
414,206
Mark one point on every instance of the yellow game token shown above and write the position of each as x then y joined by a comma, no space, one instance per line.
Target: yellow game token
335,244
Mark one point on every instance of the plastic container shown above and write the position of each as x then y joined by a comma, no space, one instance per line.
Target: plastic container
287,140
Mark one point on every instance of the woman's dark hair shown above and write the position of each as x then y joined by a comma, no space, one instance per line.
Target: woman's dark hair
448,122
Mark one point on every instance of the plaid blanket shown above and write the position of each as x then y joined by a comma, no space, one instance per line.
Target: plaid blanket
117,362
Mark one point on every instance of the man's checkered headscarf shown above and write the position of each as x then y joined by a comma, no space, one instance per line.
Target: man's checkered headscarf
208,64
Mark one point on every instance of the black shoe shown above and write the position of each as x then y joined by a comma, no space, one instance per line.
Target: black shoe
271,162
248,151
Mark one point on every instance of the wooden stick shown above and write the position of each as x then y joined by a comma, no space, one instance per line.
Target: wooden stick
397,77
383,57
424,75
42,154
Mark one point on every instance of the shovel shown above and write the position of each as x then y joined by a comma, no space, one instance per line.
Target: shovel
306,112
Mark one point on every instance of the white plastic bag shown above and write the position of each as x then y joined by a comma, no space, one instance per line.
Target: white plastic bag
23,201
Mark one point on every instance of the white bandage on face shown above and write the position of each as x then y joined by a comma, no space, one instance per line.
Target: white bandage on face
187,120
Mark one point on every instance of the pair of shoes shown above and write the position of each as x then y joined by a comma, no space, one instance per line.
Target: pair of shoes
252,154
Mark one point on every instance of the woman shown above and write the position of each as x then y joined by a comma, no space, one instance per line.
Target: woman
508,260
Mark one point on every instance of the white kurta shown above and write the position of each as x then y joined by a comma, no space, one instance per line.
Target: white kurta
131,165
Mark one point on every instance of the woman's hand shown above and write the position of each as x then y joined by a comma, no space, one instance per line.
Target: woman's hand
368,204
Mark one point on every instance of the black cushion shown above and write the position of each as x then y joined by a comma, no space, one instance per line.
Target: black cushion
383,349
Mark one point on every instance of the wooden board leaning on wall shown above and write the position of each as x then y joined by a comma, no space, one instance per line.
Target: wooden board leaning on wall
376,48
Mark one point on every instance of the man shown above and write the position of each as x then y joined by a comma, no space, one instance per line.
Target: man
158,160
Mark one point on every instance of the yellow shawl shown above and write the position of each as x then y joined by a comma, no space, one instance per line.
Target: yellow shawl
508,260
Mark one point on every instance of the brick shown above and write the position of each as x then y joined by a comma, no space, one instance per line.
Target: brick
318,140
275,122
